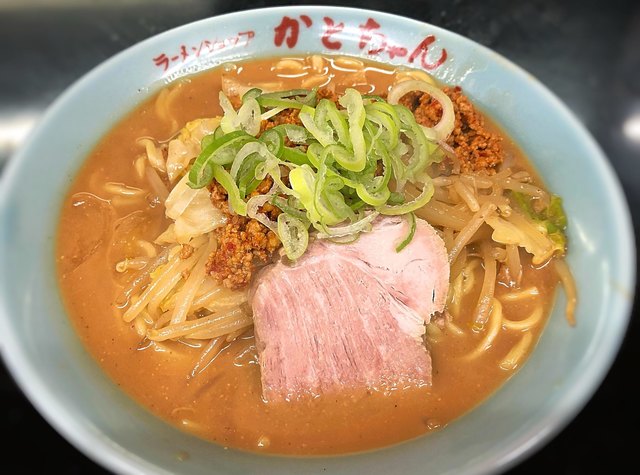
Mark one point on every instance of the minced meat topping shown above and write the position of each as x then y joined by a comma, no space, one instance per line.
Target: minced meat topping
477,148
243,243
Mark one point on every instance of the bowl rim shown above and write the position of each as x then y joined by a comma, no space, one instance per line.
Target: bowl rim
98,448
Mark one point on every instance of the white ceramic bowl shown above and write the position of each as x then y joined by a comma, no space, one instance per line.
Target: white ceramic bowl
68,387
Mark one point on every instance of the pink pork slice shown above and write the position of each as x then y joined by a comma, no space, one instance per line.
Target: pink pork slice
350,315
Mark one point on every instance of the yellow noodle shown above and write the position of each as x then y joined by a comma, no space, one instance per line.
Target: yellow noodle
208,285
348,64
401,76
434,333
517,353
452,327
525,324
527,293
469,276
486,299
160,104
140,166
122,189
315,81
135,263
148,248
270,86
233,335
569,285
174,92
462,284
455,295
317,63
190,343
514,265
495,321
357,78
460,263
499,254
289,65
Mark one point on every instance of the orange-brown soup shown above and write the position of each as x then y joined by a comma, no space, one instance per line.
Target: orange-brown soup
223,403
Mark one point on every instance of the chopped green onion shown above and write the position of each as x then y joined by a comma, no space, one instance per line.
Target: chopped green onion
217,133
317,124
412,230
352,101
208,139
373,97
336,173
246,178
252,93
409,206
238,205
295,156
248,149
303,181
295,133
396,198
221,151
274,141
287,99
293,234
287,207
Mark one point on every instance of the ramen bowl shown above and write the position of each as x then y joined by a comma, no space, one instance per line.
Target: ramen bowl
51,365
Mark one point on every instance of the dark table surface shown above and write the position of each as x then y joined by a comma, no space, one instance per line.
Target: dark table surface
587,52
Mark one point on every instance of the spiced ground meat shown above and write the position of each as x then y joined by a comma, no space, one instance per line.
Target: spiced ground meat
243,243
477,148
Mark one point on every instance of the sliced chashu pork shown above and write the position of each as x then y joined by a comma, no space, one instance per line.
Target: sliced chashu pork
350,315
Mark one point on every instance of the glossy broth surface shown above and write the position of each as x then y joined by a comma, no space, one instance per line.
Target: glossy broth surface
224,402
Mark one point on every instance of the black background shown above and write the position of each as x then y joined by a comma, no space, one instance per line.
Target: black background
587,52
